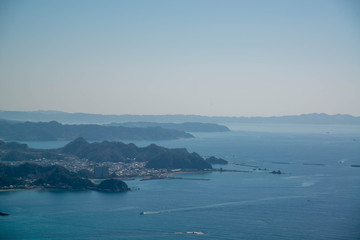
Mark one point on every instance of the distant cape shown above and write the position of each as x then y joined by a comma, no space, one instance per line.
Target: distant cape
48,131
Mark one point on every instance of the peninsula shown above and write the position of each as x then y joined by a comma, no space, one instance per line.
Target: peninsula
74,165
49,131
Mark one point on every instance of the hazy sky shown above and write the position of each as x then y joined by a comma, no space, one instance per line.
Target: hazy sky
230,58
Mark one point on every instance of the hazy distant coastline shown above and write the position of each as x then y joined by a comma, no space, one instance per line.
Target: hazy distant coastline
50,131
186,126
63,117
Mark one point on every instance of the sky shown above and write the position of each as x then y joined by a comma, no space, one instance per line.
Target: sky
204,57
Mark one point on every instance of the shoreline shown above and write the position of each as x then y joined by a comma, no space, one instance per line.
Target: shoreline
20,189
169,176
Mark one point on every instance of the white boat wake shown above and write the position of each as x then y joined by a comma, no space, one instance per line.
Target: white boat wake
245,202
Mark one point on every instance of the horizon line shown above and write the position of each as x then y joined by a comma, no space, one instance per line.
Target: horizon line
179,114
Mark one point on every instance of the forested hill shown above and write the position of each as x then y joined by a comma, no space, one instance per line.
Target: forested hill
154,156
45,131
29,175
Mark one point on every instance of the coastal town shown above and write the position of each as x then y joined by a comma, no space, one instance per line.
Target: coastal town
122,170
80,165
96,172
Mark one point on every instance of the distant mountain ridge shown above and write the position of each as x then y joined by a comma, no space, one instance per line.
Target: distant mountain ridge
63,117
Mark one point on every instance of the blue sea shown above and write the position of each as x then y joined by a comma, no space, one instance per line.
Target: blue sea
318,197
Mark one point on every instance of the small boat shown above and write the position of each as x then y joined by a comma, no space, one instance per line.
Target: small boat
4,214
142,213
195,233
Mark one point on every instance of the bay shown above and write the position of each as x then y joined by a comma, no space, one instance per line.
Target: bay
317,198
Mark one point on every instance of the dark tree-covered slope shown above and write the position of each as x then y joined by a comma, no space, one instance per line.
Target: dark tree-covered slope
112,185
55,177
214,160
178,158
51,176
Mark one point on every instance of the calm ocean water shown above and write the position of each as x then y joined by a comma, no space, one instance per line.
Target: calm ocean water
308,202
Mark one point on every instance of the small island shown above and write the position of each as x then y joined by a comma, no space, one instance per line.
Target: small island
112,185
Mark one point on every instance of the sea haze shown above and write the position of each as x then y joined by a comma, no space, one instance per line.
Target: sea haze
316,198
